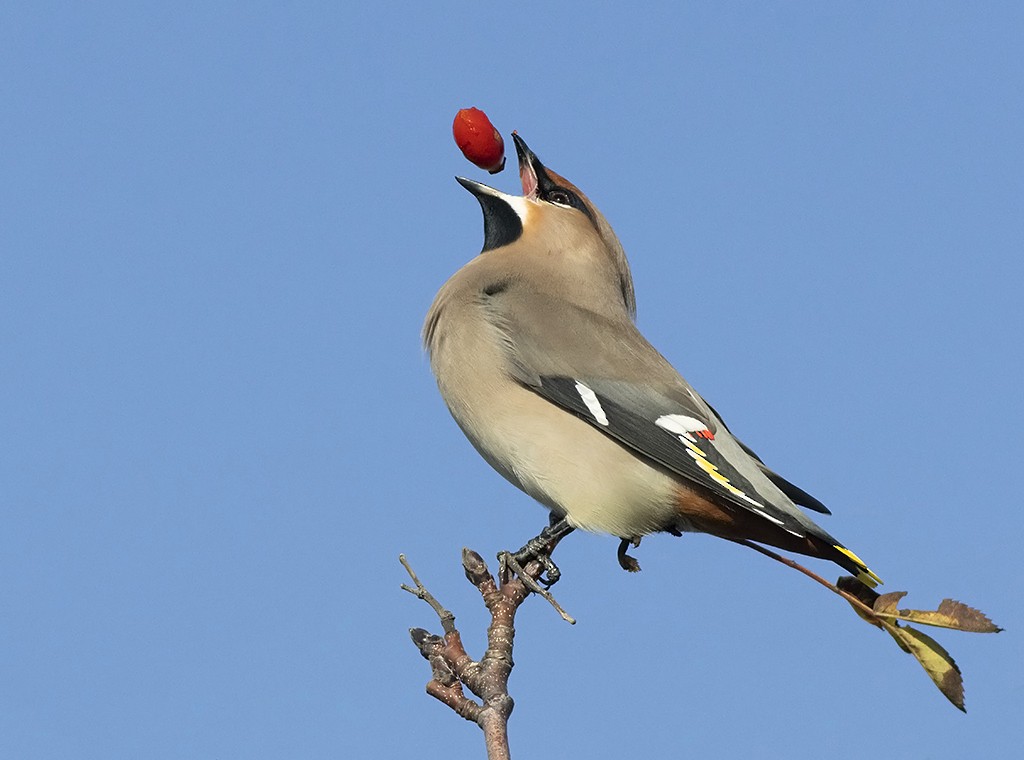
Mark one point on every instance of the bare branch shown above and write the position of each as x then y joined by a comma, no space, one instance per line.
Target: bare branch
453,670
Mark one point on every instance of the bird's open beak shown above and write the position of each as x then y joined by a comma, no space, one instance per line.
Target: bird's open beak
532,173
528,167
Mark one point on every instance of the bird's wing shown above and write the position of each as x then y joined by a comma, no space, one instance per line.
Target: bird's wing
605,372
795,493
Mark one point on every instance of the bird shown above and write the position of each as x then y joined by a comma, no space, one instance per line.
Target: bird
537,355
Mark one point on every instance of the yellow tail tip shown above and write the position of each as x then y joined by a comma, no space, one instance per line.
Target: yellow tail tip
864,574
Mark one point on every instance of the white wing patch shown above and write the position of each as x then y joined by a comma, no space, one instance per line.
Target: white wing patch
684,426
593,403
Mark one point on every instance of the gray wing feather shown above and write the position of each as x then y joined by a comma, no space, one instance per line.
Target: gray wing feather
795,493
555,347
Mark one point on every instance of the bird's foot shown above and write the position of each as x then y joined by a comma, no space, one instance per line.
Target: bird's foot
626,562
539,549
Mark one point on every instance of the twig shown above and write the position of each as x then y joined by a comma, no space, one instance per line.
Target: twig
864,610
447,618
509,560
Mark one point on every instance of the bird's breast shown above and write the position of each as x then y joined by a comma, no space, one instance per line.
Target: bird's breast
557,458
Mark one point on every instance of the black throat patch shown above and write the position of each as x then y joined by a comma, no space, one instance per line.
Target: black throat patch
502,224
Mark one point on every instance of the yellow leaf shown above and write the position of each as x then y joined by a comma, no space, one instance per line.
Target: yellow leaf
883,611
933,658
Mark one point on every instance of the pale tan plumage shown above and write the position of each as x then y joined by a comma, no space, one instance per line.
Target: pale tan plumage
538,358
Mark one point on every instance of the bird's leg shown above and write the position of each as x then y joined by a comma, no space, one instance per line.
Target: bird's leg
630,564
627,563
540,548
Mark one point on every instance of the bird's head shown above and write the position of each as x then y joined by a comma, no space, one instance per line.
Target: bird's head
553,219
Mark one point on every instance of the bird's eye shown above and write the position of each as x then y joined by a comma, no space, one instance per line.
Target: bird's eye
560,197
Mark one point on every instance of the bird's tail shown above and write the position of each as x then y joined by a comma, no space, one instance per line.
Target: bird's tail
850,561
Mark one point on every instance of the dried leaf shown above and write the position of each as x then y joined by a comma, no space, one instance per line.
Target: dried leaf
936,661
863,594
950,614
886,603
853,586
968,618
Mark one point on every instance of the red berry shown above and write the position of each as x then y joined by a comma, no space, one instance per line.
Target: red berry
478,140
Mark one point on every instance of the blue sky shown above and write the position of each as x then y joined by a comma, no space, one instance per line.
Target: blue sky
220,228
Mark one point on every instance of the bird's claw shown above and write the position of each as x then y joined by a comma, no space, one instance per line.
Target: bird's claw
539,549
626,562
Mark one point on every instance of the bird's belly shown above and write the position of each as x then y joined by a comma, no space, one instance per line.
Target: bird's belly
570,466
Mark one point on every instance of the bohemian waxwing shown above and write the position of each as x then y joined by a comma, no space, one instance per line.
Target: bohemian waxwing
538,358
